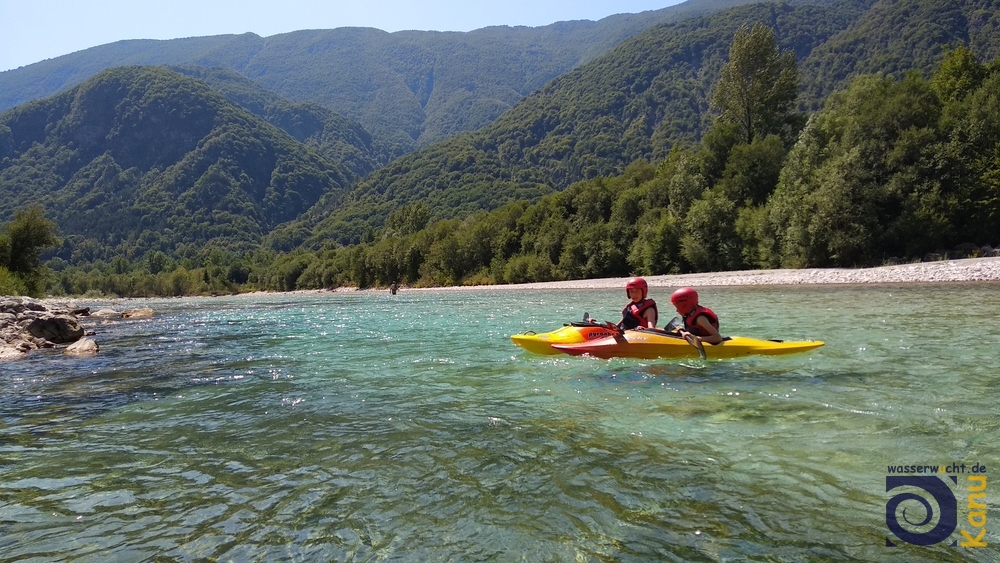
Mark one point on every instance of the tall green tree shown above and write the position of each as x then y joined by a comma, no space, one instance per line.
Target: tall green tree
958,75
757,87
22,243
27,236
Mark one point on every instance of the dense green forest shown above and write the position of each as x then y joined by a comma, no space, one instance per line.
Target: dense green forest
887,169
409,88
899,36
339,139
635,102
144,159
658,157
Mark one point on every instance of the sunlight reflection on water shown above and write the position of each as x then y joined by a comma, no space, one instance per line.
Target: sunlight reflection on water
340,426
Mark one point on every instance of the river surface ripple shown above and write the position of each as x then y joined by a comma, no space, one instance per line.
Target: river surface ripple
363,426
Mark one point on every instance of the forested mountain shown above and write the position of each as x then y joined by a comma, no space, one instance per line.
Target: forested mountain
900,35
409,88
635,102
642,98
141,159
334,136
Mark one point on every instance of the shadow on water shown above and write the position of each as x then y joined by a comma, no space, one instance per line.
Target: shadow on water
696,371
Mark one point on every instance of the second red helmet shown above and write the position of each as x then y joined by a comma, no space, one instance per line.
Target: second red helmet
684,299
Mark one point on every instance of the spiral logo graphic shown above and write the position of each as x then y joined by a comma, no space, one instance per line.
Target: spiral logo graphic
939,492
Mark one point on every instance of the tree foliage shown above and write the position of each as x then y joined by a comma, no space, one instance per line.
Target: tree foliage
22,242
162,184
758,85
144,159
887,168
634,103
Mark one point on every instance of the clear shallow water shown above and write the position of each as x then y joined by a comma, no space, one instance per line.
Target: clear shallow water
376,427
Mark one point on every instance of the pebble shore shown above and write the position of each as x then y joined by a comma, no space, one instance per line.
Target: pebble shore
944,271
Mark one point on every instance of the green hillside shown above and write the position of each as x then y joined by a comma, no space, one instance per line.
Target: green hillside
640,100
634,103
144,158
410,88
334,136
901,35
890,170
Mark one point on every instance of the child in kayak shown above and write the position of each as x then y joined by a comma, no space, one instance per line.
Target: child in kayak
700,323
640,312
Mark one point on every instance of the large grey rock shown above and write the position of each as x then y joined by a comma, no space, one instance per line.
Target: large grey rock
57,329
27,324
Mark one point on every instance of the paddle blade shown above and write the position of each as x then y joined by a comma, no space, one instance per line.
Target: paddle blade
619,333
693,340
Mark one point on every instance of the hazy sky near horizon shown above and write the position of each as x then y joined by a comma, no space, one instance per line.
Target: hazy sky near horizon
32,31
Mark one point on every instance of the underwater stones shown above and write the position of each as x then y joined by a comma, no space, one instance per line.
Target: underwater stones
82,347
141,313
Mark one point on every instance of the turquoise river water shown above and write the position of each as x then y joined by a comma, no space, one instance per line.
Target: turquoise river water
367,427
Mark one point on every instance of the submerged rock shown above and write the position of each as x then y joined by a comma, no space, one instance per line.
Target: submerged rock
83,347
141,313
106,313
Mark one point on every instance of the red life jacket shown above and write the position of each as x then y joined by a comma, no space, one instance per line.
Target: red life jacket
632,314
691,318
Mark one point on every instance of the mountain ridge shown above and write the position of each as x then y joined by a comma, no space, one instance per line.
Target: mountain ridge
384,93
634,102
637,102
147,158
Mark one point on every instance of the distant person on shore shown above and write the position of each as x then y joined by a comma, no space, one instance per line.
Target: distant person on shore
393,288
700,322
640,312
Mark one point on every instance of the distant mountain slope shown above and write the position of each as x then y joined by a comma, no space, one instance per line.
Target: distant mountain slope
140,158
632,103
649,93
334,136
410,88
899,35
143,158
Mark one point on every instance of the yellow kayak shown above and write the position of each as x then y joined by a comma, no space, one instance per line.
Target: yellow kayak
649,344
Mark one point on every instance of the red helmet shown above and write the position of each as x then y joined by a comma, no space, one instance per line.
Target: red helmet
637,282
684,299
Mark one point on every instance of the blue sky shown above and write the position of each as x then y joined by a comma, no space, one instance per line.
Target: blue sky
35,30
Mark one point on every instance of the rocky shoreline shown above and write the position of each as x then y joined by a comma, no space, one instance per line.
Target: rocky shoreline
28,324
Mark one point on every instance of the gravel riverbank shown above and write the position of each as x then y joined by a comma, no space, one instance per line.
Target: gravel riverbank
945,271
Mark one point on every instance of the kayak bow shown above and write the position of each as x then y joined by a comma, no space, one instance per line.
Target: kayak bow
573,333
